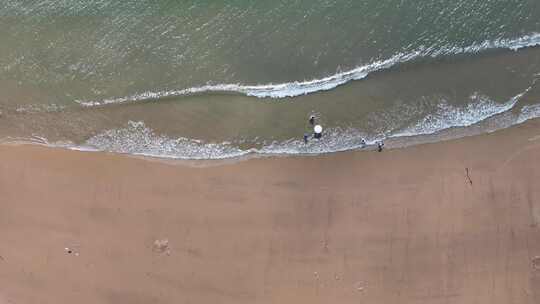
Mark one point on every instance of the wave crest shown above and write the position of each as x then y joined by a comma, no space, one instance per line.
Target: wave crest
447,116
298,88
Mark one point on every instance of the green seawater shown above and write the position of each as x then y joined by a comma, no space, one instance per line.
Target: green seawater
181,78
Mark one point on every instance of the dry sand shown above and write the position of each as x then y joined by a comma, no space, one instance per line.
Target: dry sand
402,226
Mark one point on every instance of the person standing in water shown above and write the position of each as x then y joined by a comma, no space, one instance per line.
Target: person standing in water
363,143
317,131
311,121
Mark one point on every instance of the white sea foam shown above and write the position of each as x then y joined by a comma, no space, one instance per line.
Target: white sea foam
138,139
39,108
281,90
298,88
528,112
447,116
514,44
334,140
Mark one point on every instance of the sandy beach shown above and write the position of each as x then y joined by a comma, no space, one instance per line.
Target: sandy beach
450,222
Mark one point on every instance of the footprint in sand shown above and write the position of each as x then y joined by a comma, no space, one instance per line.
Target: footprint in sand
534,138
536,262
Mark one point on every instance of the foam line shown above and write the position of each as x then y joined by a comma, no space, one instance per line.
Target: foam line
298,88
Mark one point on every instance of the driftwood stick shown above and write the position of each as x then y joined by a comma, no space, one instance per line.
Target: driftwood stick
468,176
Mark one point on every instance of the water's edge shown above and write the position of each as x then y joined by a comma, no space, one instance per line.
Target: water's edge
453,133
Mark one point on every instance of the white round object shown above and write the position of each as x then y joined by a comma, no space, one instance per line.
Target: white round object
317,129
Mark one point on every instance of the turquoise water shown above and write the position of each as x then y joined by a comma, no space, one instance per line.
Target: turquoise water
206,79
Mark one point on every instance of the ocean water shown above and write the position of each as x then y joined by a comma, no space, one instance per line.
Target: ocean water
219,79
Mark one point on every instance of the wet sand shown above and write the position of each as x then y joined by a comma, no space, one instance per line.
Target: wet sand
450,222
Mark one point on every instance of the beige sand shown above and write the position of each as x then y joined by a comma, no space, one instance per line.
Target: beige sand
402,226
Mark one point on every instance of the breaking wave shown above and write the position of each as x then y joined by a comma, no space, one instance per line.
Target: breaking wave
139,139
447,116
298,88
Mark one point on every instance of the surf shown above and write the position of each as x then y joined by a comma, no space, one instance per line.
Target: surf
299,88
138,138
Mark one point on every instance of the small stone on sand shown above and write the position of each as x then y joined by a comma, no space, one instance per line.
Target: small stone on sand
360,286
71,251
162,246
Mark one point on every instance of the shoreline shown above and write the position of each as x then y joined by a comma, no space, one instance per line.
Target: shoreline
448,222
484,127
180,127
